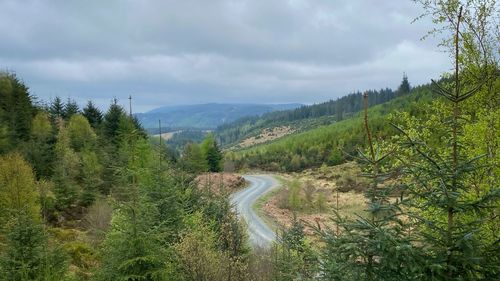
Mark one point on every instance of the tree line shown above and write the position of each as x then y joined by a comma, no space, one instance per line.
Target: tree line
329,144
341,108
87,195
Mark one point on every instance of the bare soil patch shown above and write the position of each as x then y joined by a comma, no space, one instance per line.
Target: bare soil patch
313,194
220,182
266,135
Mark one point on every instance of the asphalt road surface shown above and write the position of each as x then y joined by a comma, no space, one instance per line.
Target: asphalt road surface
260,234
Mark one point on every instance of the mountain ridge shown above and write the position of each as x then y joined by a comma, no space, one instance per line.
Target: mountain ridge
207,115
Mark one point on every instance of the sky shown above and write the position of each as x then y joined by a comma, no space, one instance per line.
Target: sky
165,52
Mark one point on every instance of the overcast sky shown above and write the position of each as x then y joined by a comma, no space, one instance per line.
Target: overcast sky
197,51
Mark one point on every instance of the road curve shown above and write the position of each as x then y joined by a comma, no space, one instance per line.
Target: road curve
260,234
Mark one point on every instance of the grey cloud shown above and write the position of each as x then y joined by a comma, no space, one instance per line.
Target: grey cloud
220,50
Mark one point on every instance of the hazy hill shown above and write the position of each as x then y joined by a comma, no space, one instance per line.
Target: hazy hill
206,116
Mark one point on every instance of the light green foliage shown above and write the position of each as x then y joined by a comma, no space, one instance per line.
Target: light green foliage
331,144
320,203
24,251
66,170
193,159
39,150
294,196
91,173
198,255
41,128
80,132
17,188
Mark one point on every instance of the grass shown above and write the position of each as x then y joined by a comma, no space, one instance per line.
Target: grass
350,204
259,204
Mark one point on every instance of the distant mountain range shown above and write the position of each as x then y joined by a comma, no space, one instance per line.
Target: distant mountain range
206,116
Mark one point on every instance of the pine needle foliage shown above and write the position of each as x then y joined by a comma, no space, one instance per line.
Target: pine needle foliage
377,246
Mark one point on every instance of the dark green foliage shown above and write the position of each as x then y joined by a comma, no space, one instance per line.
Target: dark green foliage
404,88
212,153
93,114
16,111
56,108
379,245
27,255
140,130
294,258
180,139
111,122
132,249
39,150
91,173
344,107
70,108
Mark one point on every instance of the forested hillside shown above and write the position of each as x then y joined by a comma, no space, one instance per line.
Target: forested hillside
84,195
87,194
331,144
306,117
205,116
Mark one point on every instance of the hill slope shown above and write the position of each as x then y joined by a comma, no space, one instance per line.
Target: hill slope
330,144
205,116
258,129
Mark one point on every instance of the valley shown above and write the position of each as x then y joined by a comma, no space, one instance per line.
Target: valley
250,140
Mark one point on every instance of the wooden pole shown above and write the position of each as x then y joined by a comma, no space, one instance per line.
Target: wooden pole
159,130
130,105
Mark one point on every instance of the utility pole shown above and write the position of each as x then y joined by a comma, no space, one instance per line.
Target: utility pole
159,130
130,105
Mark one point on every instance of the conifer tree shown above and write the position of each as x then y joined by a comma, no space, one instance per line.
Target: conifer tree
111,122
294,258
212,153
65,170
39,151
70,108
93,114
193,159
16,107
91,174
27,254
132,249
56,108
451,215
377,246
404,88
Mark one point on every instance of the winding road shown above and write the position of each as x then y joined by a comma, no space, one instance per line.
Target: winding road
260,234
